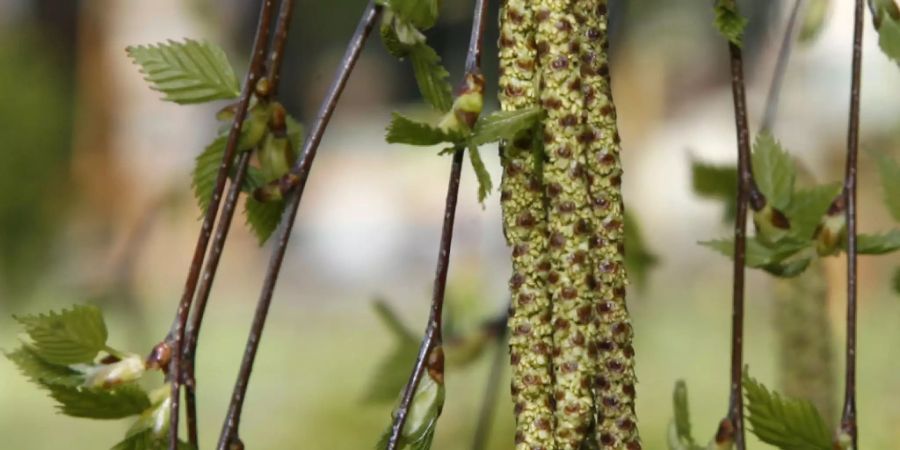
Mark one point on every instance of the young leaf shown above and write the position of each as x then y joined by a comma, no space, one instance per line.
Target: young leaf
431,77
717,183
263,218
729,21
418,431
186,72
67,337
682,413
757,254
420,13
503,125
481,173
807,208
786,423
39,371
878,244
393,371
773,171
206,169
147,440
98,403
890,183
406,131
889,37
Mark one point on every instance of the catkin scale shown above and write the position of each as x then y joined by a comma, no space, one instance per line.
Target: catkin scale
570,280
525,227
611,331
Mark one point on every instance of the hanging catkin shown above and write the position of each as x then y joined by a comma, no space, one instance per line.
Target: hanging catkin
570,280
614,383
525,227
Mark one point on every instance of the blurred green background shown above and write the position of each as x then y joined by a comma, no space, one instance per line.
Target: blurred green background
95,206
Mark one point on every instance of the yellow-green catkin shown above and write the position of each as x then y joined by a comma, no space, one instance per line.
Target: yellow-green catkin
570,280
614,382
525,227
805,339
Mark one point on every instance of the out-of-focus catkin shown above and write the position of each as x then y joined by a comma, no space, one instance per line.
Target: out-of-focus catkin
525,227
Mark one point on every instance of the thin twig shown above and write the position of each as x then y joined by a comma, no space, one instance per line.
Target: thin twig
492,387
433,334
745,184
848,418
176,334
229,432
784,55
222,228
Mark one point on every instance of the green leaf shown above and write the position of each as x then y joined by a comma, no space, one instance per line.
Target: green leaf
67,337
682,413
773,171
392,42
878,244
786,423
759,255
638,258
206,170
788,269
729,21
481,173
418,431
431,77
814,17
807,208
39,371
890,183
263,218
98,403
889,37
420,13
392,372
403,130
504,125
717,183
147,440
186,72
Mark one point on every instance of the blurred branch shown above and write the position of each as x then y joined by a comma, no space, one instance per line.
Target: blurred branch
492,387
784,55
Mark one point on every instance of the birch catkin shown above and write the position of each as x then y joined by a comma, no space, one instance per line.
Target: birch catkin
525,227
570,280
614,383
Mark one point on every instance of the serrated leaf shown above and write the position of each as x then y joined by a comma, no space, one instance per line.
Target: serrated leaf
638,257
889,37
98,403
392,42
890,183
716,182
729,21
147,440
807,208
67,337
431,77
786,423
39,371
757,254
420,13
263,218
504,125
186,72
481,173
773,171
206,170
403,130
788,269
878,244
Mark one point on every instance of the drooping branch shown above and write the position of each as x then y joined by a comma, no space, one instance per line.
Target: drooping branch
784,55
209,273
848,429
229,433
176,334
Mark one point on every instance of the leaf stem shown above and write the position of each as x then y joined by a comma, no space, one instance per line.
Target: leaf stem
745,183
848,417
229,433
176,334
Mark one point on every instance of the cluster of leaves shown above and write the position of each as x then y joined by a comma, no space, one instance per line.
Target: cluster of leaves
795,225
66,353
729,21
785,423
192,72
886,17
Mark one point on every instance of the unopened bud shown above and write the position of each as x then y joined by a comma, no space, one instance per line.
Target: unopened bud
108,375
159,357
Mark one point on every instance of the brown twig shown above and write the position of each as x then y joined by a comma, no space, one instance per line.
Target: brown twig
222,228
848,417
744,195
176,334
229,433
433,335
784,55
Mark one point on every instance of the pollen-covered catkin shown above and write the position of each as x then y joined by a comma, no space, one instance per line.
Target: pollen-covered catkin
525,227
570,280
614,382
